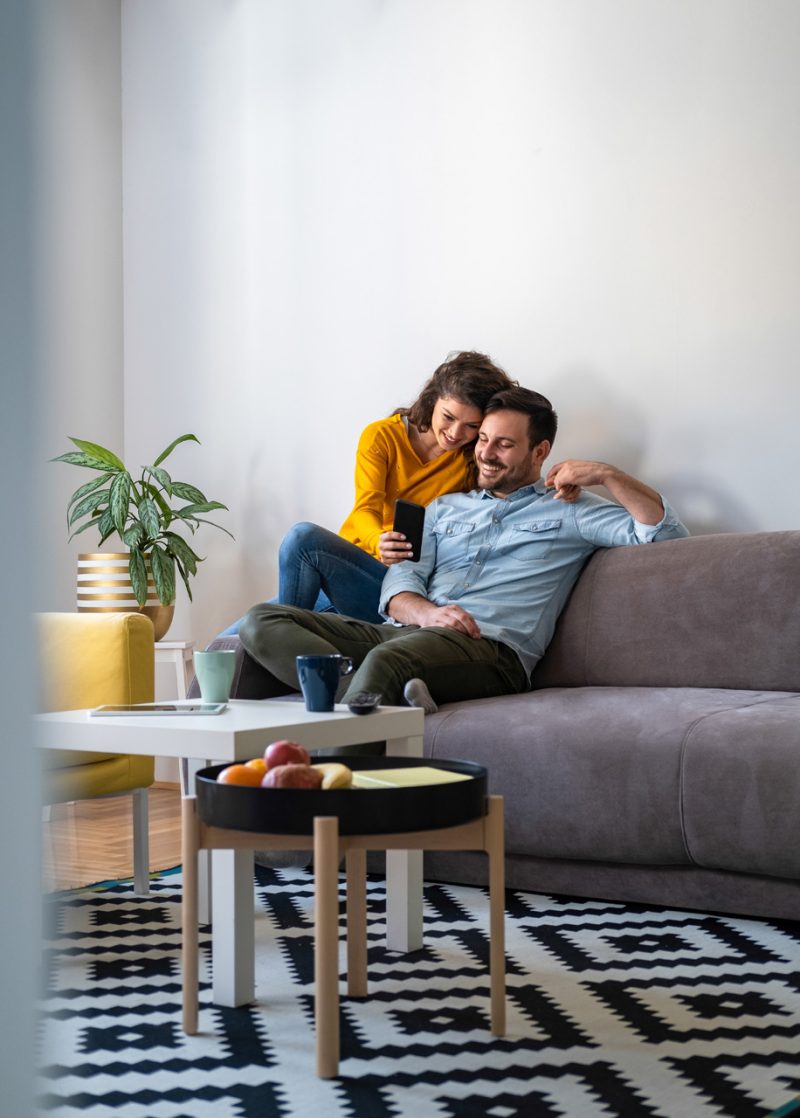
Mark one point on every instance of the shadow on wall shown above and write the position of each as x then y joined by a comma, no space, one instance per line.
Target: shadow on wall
705,507
597,423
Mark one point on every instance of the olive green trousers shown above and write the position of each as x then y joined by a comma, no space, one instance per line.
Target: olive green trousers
453,666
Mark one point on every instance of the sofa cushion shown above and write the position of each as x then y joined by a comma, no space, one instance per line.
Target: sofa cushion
597,773
741,788
709,611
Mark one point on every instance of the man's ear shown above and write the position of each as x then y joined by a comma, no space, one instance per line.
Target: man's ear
540,451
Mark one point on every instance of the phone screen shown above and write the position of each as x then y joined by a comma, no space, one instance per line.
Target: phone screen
409,518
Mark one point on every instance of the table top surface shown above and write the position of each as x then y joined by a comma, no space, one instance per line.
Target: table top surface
240,732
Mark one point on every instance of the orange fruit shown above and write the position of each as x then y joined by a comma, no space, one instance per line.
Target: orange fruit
240,774
257,763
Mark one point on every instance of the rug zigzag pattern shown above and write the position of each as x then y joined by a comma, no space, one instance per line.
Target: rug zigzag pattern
612,1010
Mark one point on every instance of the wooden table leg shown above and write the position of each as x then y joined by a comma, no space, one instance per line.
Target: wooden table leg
326,944
189,913
357,923
495,845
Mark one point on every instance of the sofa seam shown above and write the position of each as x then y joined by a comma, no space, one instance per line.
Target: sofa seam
446,715
684,746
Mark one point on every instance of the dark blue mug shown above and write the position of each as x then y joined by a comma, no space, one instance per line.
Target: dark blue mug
319,679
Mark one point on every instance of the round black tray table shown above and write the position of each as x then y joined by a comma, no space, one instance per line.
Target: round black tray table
455,815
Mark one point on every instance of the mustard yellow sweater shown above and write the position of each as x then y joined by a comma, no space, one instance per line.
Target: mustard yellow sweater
387,468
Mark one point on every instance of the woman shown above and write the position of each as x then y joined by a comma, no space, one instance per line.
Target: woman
417,453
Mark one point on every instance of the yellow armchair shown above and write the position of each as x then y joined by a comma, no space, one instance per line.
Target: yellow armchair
85,661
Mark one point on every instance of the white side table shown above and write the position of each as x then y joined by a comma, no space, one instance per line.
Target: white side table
178,653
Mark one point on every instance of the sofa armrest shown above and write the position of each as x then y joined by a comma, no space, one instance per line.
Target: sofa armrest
87,660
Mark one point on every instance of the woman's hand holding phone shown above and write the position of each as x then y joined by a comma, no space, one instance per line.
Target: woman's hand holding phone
393,548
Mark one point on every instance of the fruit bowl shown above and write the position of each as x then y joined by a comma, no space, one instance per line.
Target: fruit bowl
361,811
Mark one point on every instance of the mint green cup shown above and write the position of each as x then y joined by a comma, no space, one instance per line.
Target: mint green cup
214,671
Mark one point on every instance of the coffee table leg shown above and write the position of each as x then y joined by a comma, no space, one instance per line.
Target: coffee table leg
404,900
495,845
189,766
357,923
404,876
189,914
233,927
326,943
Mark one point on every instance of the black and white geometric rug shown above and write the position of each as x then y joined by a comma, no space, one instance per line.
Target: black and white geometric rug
612,1010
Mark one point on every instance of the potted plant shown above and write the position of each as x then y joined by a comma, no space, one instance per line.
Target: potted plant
144,513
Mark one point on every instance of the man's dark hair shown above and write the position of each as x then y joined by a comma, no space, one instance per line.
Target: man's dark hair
542,419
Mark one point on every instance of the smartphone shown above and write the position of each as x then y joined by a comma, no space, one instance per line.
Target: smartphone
157,708
409,519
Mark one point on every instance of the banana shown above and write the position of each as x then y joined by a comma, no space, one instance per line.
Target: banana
334,775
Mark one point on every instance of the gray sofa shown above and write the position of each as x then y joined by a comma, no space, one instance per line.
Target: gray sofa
657,757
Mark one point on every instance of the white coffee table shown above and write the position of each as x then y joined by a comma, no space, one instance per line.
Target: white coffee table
239,733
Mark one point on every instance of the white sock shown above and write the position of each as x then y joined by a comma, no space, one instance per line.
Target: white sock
416,694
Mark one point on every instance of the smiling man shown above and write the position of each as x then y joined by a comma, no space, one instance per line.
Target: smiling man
473,617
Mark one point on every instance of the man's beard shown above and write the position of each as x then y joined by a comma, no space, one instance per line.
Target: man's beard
506,480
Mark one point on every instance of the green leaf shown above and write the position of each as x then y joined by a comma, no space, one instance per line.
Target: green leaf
185,578
88,504
148,514
166,453
156,495
133,536
74,458
187,492
87,487
203,506
163,568
200,520
83,527
162,477
178,547
94,450
119,500
137,572
105,526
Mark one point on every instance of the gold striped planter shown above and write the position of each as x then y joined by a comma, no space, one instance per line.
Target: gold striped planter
104,586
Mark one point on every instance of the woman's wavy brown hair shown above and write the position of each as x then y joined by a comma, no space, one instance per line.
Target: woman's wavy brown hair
471,378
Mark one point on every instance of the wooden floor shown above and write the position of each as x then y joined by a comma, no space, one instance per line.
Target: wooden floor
91,840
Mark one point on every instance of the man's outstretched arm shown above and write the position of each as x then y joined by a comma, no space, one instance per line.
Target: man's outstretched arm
638,499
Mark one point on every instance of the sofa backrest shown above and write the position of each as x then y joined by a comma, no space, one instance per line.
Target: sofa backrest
707,611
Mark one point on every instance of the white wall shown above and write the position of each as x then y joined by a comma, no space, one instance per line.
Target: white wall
79,268
322,199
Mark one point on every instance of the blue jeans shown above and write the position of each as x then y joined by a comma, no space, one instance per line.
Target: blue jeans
321,571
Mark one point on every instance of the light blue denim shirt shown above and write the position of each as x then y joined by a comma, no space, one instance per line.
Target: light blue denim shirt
512,561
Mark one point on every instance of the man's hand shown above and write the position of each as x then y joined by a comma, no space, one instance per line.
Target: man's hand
642,502
393,548
573,475
413,609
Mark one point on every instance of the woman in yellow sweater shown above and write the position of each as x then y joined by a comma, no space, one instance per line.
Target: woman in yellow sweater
417,453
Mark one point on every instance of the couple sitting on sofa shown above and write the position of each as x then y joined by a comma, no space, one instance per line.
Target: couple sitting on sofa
498,561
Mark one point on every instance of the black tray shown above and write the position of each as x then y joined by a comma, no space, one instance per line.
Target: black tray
361,811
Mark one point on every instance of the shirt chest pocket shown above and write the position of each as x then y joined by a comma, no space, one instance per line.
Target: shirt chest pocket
530,543
455,535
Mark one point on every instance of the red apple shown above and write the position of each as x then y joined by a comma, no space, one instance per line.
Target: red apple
292,776
285,753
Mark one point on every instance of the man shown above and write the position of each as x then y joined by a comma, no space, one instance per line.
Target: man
473,617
